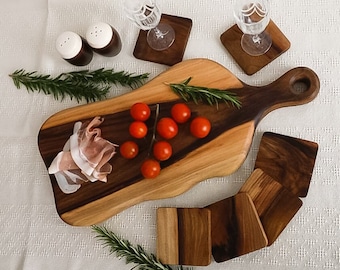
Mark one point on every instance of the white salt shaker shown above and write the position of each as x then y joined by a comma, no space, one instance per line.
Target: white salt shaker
104,39
74,49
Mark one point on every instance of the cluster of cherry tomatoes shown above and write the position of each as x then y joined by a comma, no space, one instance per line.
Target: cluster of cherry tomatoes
166,127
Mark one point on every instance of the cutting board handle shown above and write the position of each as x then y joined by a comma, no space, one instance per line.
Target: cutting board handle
303,85
296,87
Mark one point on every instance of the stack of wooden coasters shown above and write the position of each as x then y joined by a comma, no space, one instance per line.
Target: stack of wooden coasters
250,220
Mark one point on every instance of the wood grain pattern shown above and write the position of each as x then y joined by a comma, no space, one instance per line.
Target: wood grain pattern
184,236
203,72
167,236
275,205
235,228
231,40
288,160
232,129
172,55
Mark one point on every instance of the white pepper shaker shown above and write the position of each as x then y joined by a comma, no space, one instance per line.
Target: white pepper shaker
74,49
104,39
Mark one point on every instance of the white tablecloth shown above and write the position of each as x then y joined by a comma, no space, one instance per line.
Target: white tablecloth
32,235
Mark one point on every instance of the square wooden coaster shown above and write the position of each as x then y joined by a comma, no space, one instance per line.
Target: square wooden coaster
236,228
231,40
288,160
184,236
275,205
172,55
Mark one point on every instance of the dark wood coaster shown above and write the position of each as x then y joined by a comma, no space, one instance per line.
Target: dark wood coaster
231,40
288,160
184,236
275,205
236,228
172,55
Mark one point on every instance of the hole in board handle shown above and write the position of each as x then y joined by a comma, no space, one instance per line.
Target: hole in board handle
300,86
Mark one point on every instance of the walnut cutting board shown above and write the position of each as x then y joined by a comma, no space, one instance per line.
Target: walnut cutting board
223,151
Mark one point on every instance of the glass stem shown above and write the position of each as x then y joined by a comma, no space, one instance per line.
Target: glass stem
256,39
159,34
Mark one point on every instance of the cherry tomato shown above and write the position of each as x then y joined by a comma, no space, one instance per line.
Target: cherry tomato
167,128
162,150
138,129
150,168
140,111
129,149
200,127
180,112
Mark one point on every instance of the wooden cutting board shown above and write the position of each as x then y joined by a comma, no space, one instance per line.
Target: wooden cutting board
223,151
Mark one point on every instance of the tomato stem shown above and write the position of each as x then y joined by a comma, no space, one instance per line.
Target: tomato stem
153,139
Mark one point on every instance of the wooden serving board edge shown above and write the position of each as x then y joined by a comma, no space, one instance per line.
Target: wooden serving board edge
199,69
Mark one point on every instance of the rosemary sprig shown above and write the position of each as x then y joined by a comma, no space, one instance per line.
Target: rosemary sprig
204,94
59,87
107,76
123,248
85,84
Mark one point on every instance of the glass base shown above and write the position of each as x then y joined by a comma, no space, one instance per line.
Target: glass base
161,37
256,45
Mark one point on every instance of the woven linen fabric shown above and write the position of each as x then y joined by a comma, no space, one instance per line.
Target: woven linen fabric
32,235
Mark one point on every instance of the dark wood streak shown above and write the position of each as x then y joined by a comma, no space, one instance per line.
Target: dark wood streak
235,228
184,236
193,236
224,223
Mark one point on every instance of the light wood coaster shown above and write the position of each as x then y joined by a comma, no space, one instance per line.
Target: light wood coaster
275,205
231,40
236,228
172,55
288,160
183,236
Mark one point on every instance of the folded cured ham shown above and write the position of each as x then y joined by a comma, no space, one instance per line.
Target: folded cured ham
84,157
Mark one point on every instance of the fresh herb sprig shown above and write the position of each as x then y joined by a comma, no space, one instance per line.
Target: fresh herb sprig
107,76
123,249
84,84
212,96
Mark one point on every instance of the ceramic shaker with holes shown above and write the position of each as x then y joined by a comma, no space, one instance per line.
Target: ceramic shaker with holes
74,49
104,39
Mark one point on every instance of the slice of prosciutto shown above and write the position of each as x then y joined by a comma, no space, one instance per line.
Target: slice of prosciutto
84,157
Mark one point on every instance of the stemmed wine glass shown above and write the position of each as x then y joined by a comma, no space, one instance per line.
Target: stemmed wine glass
146,15
252,18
